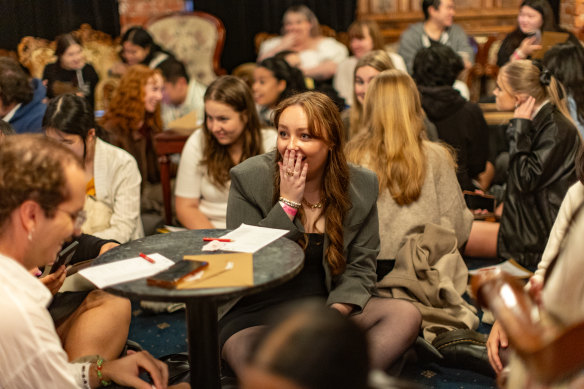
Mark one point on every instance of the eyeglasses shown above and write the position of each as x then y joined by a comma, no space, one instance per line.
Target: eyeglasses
77,218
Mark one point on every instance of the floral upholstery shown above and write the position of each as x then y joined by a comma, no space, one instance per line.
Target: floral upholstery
195,38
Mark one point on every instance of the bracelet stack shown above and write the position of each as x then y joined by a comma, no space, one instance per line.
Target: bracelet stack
290,203
102,381
290,207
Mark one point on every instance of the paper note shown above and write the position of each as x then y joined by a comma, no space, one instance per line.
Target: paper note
224,270
186,122
125,270
510,266
246,239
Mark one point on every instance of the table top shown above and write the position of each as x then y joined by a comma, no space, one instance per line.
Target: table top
274,264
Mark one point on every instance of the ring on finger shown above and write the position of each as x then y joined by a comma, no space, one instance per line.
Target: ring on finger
290,172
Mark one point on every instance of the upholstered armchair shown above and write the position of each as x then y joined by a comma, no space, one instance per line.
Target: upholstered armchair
195,38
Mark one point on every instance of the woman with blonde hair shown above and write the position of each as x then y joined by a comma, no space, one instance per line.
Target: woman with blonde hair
231,134
543,145
329,207
364,37
417,178
366,69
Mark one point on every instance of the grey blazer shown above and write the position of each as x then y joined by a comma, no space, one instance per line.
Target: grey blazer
250,202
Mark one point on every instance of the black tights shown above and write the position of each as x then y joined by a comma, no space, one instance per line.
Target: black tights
392,326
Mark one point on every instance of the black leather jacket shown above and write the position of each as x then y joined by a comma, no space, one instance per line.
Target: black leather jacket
541,169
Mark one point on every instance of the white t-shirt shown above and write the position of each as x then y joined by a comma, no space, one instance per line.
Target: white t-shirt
327,49
193,181
31,355
193,102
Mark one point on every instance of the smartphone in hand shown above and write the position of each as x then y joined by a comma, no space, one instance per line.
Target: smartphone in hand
64,256
537,35
476,200
171,277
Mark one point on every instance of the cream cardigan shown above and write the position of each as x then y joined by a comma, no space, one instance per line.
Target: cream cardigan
117,185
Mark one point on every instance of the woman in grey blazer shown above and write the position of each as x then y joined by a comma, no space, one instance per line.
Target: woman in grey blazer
329,207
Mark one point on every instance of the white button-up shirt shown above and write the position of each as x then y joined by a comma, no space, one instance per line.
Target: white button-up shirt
31,355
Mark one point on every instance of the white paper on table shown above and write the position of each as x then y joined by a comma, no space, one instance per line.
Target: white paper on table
509,266
246,239
125,270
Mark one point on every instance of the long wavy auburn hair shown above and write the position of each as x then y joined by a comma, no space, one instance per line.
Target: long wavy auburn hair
393,143
234,92
379,60
126,109
324,123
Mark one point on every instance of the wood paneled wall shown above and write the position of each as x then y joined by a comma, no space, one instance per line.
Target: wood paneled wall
477,17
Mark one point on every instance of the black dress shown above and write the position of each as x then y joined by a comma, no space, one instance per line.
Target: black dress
257,309
83,81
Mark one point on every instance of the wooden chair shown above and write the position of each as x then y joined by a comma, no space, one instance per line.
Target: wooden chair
166,143
195,38
484,67
550,353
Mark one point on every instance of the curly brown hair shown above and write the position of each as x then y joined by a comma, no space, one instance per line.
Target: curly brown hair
126,109
235,93
32,167
324,123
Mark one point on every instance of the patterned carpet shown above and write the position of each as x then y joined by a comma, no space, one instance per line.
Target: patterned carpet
165,333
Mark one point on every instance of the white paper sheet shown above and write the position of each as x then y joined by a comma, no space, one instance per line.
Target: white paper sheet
246,239
125,270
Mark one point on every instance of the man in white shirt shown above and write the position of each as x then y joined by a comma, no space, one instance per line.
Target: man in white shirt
42,192
180,95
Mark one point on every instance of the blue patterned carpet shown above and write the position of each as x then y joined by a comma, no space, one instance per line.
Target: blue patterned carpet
165,333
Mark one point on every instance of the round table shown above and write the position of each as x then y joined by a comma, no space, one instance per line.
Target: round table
274,264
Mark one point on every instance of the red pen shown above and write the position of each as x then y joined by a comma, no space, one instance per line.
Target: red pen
146,257
217,239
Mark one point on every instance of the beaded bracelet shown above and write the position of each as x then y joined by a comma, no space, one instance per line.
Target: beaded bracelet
100,374
288,209
290,203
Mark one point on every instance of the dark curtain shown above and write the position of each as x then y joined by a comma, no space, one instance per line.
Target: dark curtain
49,18
245,18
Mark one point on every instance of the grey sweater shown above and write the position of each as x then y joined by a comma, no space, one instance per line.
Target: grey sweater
415,38
441,202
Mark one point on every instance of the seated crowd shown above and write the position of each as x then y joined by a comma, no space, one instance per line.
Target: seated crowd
361,158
